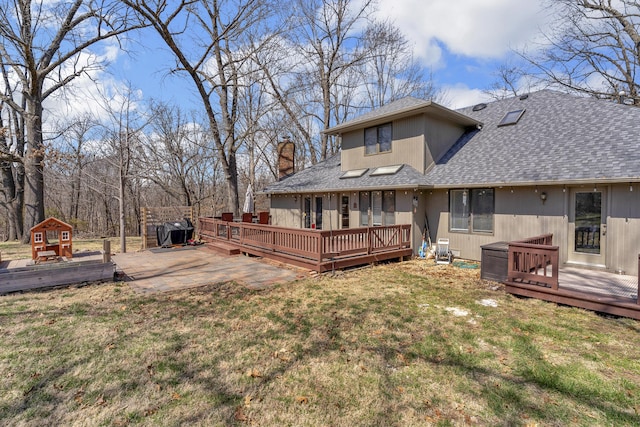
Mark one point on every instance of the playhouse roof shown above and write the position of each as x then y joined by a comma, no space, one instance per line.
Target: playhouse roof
51,223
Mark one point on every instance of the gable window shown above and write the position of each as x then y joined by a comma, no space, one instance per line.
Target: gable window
377,139
471,211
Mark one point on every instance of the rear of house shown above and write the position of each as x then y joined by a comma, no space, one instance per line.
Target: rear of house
542,163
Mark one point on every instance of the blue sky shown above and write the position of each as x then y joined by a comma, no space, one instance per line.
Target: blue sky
460,42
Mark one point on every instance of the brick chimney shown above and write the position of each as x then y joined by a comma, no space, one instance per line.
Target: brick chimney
286,158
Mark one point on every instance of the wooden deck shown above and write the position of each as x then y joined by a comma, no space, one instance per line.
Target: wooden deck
319,250
534,271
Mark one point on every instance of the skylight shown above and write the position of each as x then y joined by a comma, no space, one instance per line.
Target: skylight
511,118
386,170
354,173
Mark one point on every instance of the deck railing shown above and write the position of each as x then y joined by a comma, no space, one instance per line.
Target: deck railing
314,245
534,260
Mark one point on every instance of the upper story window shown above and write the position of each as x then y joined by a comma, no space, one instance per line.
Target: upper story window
377,139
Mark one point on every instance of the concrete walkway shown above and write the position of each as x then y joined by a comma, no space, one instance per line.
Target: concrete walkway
160,270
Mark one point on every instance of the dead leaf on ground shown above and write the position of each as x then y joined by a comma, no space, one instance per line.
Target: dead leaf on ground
100,401
239,414
149,411
78,396
303,400
175,396
254,373
247,401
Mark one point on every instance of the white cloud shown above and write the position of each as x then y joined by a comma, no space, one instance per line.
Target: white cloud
461,95
473,28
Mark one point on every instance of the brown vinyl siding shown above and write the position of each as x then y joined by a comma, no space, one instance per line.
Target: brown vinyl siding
407,147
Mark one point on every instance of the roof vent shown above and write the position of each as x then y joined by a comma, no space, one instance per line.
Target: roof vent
479,107
523,97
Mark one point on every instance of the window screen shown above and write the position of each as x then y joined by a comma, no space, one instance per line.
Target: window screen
371,141
471,210
384,138
364,208
389,207
459,210
376,207
482,209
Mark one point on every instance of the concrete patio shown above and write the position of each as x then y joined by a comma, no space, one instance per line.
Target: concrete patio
161,270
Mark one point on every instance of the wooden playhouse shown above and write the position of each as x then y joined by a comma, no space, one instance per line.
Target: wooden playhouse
51,238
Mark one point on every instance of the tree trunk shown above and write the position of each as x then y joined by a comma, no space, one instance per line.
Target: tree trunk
123,224
231,175
34,169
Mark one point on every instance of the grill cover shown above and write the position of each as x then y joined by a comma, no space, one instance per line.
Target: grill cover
174,233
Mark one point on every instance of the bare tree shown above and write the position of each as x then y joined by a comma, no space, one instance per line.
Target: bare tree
315,56
512,79
41,42
12,146
176,154
122,140
209,41
594,48
392,72
73,156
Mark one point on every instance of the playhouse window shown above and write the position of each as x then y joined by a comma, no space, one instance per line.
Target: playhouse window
37,237
65,236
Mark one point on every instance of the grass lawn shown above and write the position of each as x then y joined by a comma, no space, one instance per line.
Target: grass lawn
397,344
16,250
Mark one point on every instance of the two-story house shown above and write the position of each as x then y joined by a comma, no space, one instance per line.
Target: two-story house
540,163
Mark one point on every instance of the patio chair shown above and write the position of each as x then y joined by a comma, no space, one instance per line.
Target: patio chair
263,217
227,216
247,217
443,253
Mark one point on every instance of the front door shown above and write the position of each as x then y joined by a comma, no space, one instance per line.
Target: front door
588,227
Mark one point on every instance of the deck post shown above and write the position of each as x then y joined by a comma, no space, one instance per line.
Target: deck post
106,250
638,294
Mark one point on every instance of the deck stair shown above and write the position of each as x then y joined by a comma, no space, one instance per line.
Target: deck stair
223,248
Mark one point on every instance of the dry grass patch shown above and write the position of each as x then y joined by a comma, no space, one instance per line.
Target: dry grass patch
15,250
398,344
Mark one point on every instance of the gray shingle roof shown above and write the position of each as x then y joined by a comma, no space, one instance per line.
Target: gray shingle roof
404,107
560,139
325,176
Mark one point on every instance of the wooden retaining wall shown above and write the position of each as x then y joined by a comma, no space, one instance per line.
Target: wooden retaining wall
44,276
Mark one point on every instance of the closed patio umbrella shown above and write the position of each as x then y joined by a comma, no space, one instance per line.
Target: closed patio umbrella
248,200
